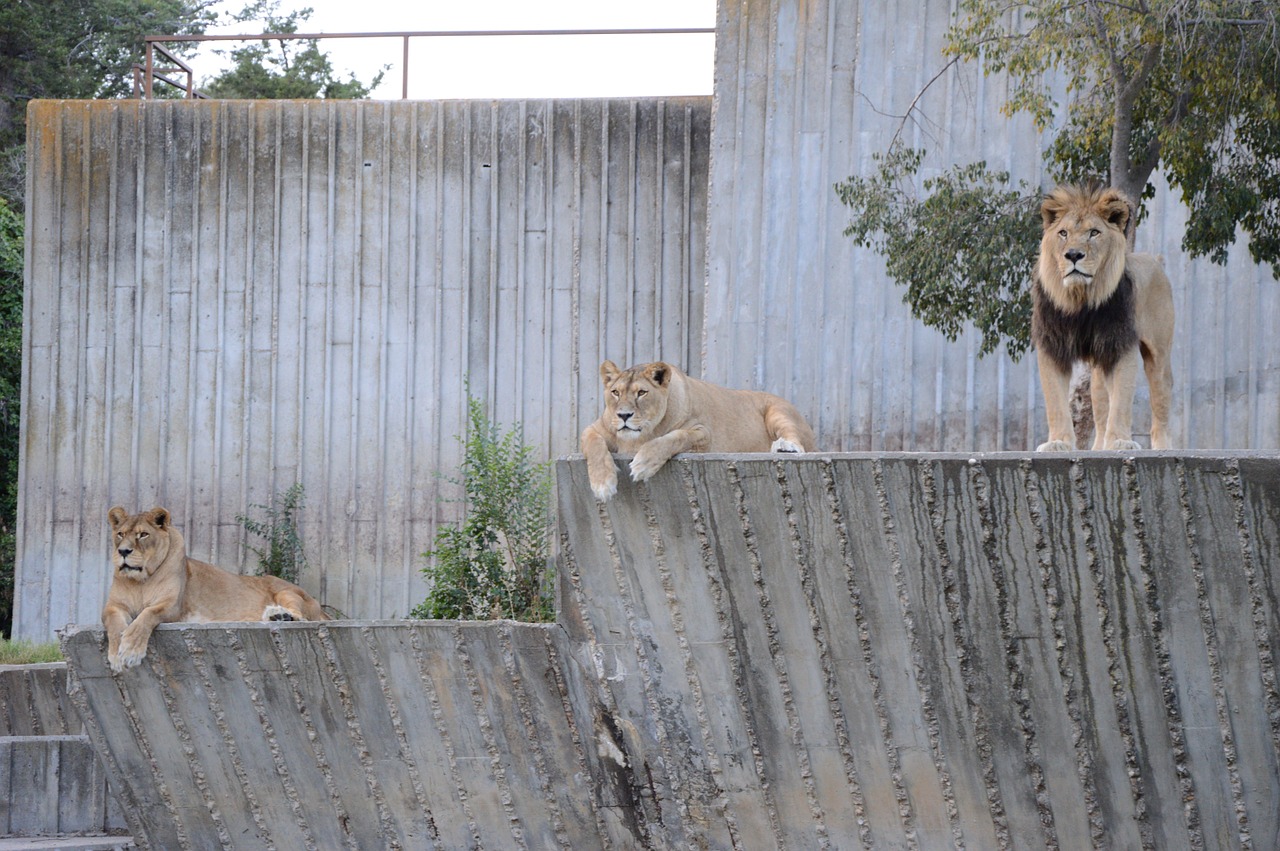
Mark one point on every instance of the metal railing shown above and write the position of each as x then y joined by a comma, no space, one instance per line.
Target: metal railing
145,75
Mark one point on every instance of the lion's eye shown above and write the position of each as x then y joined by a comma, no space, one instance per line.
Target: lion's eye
615,393
143,535
1062,233
1093,232
640,393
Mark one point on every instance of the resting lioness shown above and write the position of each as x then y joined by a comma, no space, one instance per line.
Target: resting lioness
655,411
155,582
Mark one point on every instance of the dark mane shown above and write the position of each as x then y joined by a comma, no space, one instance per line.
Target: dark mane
1099,335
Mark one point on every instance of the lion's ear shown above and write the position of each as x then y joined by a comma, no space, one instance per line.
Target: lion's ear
659,373
116,516
1114,208
609,371
1051,209
160,517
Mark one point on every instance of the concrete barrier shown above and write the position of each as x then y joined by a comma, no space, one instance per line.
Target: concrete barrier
847,651
938,651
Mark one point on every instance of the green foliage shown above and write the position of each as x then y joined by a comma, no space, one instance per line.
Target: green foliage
283,555
11,263
964,253
497,563
77,49
284,69
29,653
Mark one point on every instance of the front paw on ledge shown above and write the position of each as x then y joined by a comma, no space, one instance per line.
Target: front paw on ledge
1055,446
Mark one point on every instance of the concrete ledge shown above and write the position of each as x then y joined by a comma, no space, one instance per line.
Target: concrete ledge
932,651
353,734
33,701
54,786
875,651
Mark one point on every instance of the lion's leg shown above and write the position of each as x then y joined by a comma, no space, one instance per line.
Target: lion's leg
601,470
1159,371
132,646
787,429
289,605
114,619
1055,382
650,457
1120,384
1101,400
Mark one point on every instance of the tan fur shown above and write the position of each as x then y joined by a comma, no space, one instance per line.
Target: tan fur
1092,223
154,582
655,411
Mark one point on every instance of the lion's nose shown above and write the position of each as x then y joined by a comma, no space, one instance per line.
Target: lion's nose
625,415
1074,255
124,552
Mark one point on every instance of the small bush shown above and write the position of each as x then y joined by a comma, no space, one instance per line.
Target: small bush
497,562
283,554
28,653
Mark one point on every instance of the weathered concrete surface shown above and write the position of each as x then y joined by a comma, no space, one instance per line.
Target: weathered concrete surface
353,735
847,651
51,782
322,284
936,651
33,701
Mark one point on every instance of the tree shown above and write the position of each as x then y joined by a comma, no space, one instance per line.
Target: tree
10,381
281,68
76,49
1188,86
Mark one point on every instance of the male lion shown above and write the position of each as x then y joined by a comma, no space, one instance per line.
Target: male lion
155,582
655,411
1094,301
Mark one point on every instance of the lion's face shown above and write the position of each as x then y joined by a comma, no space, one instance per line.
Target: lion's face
140,542
1082,253
636,398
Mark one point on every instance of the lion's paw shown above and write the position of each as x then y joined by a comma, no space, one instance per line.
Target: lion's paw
1123,445
784,445
126,657
277,613
645,465
605,490
1055,446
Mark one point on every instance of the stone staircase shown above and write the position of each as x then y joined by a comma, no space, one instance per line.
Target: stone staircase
53,790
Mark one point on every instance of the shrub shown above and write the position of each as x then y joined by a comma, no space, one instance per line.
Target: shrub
283,555
496,563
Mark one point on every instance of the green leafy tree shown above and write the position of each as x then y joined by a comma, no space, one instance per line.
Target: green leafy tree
10,399
75,49
1188,86
497,562
284,68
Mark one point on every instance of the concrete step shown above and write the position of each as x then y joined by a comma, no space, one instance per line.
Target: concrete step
33,701
54,786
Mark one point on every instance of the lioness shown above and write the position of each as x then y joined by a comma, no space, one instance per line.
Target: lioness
655,411
1093,300
155,582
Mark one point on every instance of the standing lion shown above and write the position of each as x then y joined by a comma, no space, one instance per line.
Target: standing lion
1094,301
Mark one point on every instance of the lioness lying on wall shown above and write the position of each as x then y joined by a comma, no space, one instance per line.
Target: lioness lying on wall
1093,300
154,582
655,411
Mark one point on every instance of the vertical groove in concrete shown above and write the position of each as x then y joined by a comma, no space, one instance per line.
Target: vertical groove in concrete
1051,581
883,717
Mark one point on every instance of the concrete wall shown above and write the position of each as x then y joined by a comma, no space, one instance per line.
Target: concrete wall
224,298
805,95
845,651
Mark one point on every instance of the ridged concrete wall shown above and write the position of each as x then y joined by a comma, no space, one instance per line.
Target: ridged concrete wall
843,651
224,298
805,94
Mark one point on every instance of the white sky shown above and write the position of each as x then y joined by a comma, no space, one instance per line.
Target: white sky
508,66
